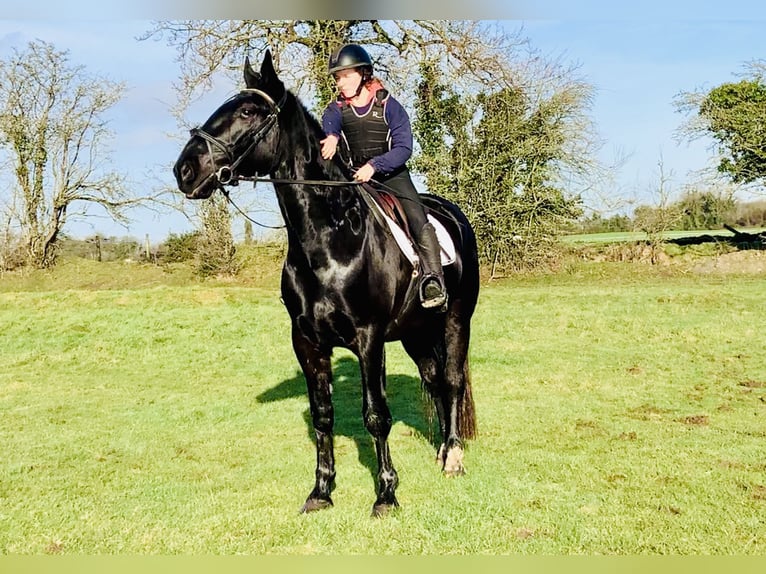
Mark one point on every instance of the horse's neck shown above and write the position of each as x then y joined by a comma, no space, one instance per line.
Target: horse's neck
316,215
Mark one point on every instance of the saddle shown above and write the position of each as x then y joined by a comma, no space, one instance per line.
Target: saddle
388,210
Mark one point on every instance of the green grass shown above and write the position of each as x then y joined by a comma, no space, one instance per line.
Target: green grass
621,411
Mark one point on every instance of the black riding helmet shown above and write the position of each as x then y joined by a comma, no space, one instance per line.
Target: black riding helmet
350,56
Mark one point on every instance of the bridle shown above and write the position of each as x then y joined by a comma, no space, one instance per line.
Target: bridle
246,142
226,175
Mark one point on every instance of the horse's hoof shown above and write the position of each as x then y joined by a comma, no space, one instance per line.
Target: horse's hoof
453,464
381,509
313,504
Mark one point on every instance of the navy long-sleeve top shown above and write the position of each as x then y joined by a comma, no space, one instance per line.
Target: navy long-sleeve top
398,122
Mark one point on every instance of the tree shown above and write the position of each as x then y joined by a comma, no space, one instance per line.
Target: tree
473,86
215,245
500,155
657,220
53,133
471,51
706,209
734,115
441,128
248,232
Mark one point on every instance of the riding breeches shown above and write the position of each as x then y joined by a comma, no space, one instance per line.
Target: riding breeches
400,184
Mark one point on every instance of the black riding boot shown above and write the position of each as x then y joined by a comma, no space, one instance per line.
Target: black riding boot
432,291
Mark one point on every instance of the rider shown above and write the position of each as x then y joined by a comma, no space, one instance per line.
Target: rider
376,139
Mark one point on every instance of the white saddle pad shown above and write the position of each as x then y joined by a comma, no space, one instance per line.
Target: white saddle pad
445,241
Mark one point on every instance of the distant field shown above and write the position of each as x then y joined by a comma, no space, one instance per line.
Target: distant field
620,409
640,235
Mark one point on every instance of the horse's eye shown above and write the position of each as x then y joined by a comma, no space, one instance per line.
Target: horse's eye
247,112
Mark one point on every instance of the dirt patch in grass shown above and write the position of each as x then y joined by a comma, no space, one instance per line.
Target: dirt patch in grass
754,491
745,262
617,478
696,420
55,547
750,384
524,533
647,412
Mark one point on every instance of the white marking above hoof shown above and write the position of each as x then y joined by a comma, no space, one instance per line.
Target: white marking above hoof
453,465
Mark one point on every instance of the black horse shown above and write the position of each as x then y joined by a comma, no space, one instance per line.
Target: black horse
345,282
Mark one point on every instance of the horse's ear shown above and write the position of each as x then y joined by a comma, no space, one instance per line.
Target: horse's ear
252,78
269,79
267,67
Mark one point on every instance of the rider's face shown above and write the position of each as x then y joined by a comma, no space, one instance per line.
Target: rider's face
347,81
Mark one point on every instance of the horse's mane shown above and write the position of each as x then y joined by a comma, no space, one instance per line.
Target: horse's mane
306,126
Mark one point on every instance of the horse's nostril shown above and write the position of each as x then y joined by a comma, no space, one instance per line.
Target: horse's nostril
187,173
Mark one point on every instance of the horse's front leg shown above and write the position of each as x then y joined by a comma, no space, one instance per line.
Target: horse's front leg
377,418
317,369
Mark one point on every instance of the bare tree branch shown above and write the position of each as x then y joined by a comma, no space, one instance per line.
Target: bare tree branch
52,132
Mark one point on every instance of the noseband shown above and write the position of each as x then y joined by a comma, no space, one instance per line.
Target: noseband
225,175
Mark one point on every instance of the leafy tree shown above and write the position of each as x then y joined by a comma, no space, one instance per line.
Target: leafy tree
178,248
734,115
498,155
440,128
705,209
215,245
53,133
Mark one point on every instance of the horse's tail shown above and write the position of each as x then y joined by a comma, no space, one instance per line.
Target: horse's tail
466,412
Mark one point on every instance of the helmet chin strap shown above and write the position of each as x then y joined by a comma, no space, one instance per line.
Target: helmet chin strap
360,86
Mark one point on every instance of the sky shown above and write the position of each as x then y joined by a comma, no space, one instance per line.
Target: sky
638,68
637,61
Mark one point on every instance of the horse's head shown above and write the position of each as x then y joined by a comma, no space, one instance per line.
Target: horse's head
239,139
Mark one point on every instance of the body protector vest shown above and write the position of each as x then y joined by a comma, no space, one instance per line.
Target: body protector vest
365,136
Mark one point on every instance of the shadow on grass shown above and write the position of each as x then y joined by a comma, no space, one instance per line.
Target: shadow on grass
406,401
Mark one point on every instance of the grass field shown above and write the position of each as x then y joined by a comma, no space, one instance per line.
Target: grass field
621,411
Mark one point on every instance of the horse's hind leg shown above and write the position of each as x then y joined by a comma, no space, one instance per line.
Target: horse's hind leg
317,369
444,371
377,419
430,362
457,398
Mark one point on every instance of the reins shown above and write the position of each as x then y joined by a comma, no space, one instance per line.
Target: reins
322,182
255,180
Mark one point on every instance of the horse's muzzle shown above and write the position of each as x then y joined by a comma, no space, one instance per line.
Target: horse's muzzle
205,188
187,181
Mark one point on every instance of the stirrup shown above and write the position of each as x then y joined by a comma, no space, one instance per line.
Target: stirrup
432,292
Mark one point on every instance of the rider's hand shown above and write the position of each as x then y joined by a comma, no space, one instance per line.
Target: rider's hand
364,173
329,146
